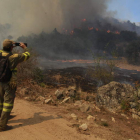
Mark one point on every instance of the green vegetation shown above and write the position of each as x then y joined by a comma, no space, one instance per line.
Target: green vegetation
125,106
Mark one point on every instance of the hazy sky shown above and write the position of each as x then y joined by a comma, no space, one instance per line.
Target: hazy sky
126,9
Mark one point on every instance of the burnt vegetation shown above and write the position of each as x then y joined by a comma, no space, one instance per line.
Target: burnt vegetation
82,42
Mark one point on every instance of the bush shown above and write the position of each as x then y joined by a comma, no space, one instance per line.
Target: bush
103,69
132,52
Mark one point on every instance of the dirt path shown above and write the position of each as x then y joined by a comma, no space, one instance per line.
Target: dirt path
33,123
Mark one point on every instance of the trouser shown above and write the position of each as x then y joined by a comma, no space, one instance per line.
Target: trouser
7,97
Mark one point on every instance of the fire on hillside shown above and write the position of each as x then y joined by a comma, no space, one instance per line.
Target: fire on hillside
66,31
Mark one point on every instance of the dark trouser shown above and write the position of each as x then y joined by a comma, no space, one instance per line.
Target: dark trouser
7,97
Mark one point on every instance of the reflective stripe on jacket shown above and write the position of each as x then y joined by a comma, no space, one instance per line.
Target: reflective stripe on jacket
15,59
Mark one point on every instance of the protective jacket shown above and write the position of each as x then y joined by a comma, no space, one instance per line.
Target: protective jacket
7,94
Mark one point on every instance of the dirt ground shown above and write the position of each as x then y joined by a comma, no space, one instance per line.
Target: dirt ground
31,122
35,121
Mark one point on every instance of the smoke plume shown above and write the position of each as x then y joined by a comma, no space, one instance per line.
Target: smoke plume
34,16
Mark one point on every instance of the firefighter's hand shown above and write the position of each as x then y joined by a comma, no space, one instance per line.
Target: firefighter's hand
13,84
22,45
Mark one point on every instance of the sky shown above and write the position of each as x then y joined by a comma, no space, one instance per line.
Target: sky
125,9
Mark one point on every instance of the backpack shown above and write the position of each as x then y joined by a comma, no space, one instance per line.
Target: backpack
5,72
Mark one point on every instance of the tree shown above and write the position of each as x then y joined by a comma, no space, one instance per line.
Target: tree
133,52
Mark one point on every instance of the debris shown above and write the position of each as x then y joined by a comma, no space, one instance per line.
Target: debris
74,116
59,94
65,100
83,127
113,119
91,118
48,101
84,107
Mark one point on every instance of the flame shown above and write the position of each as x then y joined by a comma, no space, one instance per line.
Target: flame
90,28
117,32
108,31
72,32
97,29
84,20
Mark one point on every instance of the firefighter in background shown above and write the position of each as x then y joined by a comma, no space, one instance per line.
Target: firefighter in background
8,89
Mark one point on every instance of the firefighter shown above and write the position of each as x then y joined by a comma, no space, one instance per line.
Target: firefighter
8,89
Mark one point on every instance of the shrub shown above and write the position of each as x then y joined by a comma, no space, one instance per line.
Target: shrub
103,69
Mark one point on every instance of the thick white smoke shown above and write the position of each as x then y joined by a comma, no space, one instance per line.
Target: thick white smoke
35,16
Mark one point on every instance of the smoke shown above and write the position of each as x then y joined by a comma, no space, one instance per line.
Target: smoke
34,16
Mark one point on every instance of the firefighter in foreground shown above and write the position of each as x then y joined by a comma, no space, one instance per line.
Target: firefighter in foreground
8,79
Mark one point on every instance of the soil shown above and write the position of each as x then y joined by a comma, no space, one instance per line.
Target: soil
32,122
35,121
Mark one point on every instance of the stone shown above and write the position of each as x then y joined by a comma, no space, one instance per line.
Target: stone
135,116
65,100
59,94
23,91
133,105
78,103
27,98
133,110
74,116
48,101
83,127
84,107
103,120
91,118
71,93
139,113
111,95
125,116
113,119
40,98
97,109
123,94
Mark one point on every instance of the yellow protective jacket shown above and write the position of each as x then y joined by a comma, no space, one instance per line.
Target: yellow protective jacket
15,59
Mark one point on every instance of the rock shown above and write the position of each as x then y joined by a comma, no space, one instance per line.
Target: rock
65,100
134,116
71,92
111,95
23,91
40,98
103,120
78,103
59,94
133,105
48,101
84,107
113,119
139,101
83,127
123,94
27,98
97,109
139,113
74,116
133,111
91,118
125,116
